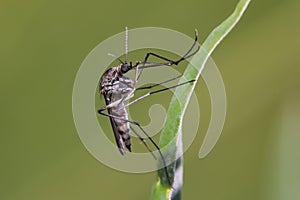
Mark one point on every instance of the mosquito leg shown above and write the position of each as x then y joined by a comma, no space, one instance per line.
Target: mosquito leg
179,60
154,92
160,153
174,86
118,102
142,97
157,84
169,61
158,64
185,56
126,97
143,141
100,111
131,93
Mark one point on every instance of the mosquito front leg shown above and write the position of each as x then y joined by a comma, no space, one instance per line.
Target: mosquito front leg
169,61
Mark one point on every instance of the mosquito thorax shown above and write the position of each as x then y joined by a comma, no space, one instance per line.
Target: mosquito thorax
107,79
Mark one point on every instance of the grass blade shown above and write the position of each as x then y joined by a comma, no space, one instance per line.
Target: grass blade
170,139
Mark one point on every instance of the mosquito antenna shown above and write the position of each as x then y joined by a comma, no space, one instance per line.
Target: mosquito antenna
126,44
113,55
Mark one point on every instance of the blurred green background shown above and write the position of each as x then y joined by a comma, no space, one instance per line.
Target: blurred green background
42,45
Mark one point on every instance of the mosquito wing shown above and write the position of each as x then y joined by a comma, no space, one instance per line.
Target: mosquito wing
119,140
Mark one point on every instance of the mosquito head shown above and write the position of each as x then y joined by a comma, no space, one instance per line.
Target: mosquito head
125,67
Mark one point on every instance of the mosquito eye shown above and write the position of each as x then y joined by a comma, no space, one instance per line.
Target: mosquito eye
125,68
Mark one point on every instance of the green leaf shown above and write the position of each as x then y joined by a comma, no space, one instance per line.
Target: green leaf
171,133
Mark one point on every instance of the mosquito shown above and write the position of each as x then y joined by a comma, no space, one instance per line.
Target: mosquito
118,89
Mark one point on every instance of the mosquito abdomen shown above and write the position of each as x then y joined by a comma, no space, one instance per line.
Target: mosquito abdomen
122,127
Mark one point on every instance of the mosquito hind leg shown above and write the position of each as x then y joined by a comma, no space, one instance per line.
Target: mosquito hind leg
143,141
100,111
